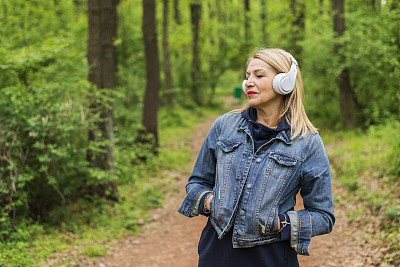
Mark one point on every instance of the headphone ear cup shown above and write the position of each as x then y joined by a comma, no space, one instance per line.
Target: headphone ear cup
277,83
283,83
287,85
244,86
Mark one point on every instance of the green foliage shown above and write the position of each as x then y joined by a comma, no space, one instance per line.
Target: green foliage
47,110
14,253
318,70
87,221
221,48
41,127
369,50
372,54
367,166
45,115
373,154
131,65
95,251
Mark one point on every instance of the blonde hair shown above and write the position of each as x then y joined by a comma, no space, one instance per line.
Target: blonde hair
291,107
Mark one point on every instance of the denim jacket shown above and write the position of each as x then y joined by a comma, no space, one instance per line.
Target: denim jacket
251,188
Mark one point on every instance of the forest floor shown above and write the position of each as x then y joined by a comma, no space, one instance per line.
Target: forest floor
171,239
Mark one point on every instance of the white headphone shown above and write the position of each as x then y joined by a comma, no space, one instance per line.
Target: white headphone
283,83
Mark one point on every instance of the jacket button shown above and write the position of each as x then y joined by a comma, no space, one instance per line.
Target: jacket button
258,160
242,212
249,186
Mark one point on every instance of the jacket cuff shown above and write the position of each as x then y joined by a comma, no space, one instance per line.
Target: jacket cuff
191,203
300,226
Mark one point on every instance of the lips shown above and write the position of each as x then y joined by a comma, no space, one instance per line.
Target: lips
250,93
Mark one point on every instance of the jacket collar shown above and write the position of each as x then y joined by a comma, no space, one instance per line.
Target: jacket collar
284,136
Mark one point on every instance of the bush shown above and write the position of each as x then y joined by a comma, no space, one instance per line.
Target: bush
45,114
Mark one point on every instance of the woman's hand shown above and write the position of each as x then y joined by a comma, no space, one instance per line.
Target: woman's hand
279,224
209,201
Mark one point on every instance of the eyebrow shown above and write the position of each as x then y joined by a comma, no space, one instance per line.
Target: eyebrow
257,70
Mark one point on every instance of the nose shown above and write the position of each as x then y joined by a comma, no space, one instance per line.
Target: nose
249,83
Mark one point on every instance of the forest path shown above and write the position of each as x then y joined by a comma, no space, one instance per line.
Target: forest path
171,239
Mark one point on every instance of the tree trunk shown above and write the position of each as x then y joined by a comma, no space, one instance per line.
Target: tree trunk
264,21
247,5
376,5
348,103
297,8
153,84
102,62
167,64
247,33
4,11
321,6
176,12
78,3
195,11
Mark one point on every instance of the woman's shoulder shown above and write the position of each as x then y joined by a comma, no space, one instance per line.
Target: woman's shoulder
230,118
233,115
307,136
309,143
227,121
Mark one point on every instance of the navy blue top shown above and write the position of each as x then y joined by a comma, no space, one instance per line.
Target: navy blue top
261,133
220,253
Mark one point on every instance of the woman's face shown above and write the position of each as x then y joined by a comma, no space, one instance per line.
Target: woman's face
259,89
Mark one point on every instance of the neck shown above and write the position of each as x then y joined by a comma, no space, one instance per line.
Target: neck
267,118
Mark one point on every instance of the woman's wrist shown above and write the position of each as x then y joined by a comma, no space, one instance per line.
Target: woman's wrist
283,221
279,224
207,203
203,204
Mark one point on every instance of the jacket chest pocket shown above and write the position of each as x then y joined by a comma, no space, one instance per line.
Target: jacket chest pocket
226,151
279,169
281,165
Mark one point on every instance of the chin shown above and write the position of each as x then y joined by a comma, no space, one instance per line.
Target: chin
253,103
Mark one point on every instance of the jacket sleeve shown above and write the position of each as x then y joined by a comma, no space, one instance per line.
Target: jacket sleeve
202,179
318,217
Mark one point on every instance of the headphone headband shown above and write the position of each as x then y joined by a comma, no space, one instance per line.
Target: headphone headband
294,61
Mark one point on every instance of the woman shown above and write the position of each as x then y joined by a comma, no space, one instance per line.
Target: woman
250,168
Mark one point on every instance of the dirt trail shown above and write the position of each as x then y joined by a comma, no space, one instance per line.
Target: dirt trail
171,239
